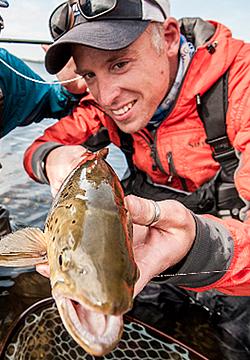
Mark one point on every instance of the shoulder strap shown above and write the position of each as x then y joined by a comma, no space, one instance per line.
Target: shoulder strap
212,109
127,148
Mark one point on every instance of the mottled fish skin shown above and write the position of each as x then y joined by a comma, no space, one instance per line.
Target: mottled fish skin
87,240
90,239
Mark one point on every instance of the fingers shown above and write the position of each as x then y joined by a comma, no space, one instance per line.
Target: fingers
142,211
54,187
173,215
141,283
60,162
45,47
43,269
78,86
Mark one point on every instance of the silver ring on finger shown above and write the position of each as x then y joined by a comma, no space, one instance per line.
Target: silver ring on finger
157,212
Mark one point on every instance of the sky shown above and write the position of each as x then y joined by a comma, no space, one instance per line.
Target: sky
28,19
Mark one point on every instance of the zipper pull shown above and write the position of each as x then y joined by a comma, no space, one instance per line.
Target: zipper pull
169,158
153,156
211,47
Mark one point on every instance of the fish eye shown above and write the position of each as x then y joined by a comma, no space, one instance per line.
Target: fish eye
64,259
60,260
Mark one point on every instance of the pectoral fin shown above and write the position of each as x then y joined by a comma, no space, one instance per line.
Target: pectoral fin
24,247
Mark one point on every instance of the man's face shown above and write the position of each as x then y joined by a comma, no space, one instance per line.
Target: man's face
129,84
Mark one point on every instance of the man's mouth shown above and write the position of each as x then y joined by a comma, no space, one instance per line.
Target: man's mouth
124,109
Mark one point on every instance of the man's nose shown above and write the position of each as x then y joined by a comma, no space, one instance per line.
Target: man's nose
107,92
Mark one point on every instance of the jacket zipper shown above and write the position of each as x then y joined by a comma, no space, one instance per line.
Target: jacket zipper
171,167
182,81
172,171
151,142
152,146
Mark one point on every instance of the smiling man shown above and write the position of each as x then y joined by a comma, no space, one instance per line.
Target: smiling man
123,81
153,82
146,79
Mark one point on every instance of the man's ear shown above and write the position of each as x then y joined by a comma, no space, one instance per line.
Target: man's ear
171,34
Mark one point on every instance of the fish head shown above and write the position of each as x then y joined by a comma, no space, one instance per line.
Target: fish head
92,282
92,267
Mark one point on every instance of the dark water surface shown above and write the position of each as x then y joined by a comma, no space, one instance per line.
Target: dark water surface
28,203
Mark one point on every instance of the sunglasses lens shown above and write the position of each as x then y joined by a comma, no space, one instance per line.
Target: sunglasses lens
93,8
60,20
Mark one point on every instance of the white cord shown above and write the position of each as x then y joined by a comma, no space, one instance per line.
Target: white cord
39,81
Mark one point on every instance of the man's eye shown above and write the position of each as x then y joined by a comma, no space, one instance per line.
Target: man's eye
121,64
89,76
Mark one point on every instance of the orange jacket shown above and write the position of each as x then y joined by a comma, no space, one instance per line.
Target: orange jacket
182,135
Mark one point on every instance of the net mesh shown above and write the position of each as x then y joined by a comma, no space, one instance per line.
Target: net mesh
43,336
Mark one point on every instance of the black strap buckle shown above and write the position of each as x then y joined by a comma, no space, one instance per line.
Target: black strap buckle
221,145
224,153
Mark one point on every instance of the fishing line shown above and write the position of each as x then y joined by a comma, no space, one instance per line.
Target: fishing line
199,273
39,81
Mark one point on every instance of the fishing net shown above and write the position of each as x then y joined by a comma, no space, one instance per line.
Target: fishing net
40,334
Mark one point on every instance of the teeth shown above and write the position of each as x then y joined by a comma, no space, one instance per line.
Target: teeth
124,109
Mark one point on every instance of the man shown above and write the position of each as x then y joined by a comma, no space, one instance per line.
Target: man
134,82
149,78
26,98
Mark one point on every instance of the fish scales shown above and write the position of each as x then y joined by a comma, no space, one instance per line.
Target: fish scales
88,237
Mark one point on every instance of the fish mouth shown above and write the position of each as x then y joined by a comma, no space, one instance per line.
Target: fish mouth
95,332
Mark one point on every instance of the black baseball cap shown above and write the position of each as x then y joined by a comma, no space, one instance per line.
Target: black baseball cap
113,30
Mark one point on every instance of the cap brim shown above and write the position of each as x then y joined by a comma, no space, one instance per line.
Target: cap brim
103,35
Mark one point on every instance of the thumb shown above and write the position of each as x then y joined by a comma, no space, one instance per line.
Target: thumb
54,188
55,185
43,269
142,211
45,47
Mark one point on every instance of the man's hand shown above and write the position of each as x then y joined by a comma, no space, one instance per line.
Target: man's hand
67,73
43,269
164,243
60,162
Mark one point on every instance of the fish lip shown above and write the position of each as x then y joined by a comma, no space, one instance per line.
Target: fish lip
97,345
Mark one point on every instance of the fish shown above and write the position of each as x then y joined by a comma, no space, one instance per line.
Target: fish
87,241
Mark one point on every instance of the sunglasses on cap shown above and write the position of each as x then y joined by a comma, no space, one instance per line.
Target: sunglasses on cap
4,3
62,18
